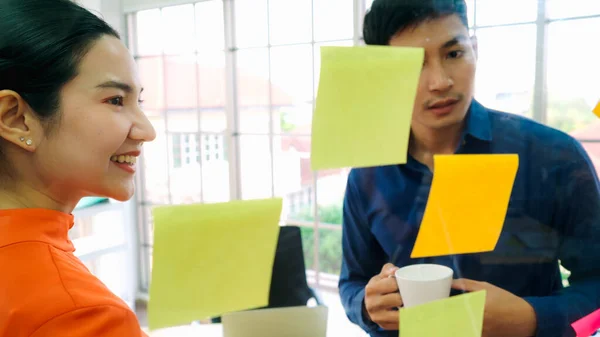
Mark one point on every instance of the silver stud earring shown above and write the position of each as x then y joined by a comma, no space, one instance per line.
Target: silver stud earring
22,139
29,142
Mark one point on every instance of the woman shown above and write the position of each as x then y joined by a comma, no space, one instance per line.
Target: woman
70,126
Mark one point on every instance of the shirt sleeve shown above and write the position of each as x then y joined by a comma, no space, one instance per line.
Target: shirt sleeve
97,321
362,257
577,216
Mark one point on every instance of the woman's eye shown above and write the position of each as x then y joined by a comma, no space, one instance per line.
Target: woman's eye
118,101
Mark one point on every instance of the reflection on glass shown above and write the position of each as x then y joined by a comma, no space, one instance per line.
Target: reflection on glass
494,12
573,73
255,161
181,91
178,29
155,163
292,85
506,68
212,91
292,174
186,167
149,32
251,23
210,31
343,25
150,70
290,21
253,96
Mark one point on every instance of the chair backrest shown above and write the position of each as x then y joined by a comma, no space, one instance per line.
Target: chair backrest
288,279
288,282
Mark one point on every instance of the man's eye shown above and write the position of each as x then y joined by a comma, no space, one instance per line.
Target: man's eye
455,54
118,101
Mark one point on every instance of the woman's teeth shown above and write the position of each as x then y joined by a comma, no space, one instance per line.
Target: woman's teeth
124,159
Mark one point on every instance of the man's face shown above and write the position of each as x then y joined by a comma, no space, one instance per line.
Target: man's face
446,85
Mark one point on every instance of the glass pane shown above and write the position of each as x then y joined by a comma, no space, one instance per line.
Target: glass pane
215,167
293,176
255,160
178,29
151,75
325,29
149,33
112,270
251,23
180,85
573,72
156,165
290,21
102,230
210,25
292,86
212,91
368,3
146,267
147,233
253,90
496,87
494,12
186,172
558,9
330,251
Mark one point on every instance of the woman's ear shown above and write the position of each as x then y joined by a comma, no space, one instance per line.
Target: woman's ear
18,123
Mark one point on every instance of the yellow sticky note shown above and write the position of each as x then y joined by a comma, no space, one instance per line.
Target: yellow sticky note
460,315
364,106
467,204
211,259
597,109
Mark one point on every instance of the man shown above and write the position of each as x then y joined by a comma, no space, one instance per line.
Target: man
554,210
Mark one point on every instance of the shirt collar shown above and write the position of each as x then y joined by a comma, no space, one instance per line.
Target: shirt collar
38,225
478,122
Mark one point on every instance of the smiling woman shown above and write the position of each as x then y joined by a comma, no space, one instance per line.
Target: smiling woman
71,126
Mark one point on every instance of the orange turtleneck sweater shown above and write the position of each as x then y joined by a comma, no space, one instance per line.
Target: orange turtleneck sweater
45,290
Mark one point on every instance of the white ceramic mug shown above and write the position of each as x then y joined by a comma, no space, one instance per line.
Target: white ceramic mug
422,283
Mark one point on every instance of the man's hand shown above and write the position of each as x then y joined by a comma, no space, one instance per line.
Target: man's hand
382,298
505,314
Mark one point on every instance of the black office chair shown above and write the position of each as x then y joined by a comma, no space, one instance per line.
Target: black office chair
288,281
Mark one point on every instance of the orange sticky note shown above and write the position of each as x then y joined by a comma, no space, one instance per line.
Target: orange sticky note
467,204
588,325
597,109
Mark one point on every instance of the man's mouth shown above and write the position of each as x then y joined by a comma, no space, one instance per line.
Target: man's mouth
443,103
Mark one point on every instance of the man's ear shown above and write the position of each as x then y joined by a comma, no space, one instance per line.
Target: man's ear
475,46
18,123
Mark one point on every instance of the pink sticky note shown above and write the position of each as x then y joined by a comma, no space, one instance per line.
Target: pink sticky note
588,325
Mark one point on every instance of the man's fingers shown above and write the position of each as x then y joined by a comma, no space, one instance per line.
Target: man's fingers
466,285
387,319
385,302
382,286
387,270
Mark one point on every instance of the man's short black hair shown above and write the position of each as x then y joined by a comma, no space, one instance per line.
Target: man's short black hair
388,17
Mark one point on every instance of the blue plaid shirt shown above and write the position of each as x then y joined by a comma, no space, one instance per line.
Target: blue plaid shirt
553,214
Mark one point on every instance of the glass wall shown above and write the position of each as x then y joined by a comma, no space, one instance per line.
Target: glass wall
230,88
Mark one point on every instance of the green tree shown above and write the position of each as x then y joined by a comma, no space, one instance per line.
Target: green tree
330,240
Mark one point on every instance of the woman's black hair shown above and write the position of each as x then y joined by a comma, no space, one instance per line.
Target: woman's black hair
42,43
386,18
